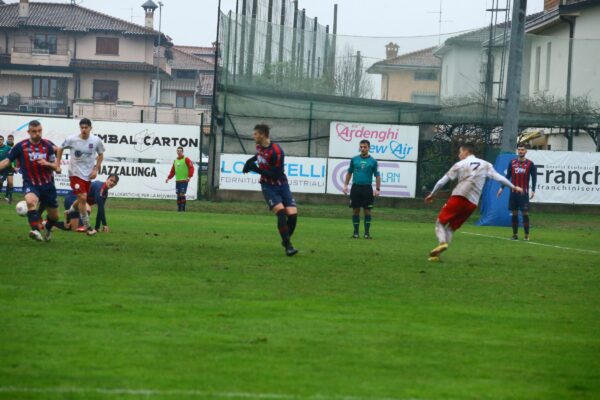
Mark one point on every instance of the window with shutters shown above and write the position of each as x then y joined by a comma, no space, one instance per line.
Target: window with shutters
107,46
185,99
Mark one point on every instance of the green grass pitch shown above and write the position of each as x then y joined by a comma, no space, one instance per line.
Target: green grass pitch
205,305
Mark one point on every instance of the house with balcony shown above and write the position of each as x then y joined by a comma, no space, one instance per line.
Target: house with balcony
65,59
564,56
412,77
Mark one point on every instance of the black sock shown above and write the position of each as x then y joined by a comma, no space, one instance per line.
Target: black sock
178,203
291,223
526,224
59,224
283,228
515,224
34,219
367,224
356,223
9,192
183,202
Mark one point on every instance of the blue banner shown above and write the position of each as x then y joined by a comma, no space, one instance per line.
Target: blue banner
494,210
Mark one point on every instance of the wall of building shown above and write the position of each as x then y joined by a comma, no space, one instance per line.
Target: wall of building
551,78
461,71
402,84
586,55
132,86
131,49
581,142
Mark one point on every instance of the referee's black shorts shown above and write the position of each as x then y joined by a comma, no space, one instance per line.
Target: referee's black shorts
361,196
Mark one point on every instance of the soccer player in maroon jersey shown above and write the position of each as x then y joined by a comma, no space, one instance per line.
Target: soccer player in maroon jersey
274,184
37,160
519,172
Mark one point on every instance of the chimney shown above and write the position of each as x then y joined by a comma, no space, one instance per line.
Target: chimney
149,7
391,50
23,10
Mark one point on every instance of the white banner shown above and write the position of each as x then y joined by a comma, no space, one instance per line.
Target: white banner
398,179
136,180
567,177
121,139
305,175
388,142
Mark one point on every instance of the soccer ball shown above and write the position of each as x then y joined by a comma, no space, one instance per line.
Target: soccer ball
21,208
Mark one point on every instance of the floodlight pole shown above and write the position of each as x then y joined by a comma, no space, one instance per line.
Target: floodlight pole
515,71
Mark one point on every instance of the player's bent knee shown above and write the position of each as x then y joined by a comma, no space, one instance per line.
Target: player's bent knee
291,211
277,207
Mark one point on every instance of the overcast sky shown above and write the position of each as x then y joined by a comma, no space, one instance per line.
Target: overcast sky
193,22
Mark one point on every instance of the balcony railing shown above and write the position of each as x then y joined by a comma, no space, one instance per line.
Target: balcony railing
59,51
30,105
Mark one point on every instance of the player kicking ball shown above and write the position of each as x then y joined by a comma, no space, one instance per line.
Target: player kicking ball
362,169
37,161
87,153
269,163
471,173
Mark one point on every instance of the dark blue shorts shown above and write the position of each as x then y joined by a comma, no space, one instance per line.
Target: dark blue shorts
181,187
518,202
45,193
276,194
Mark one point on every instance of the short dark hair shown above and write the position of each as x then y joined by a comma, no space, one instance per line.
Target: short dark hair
365,141
114,176
180,148
263,128
470,147
523,145
11,135
1,136
85,121
33,123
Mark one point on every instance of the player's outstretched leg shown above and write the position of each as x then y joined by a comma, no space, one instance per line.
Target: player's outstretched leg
442,236
526,225
356,222
367,224
515,225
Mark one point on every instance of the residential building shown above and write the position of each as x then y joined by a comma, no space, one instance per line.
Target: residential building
412,77
564,59
65,59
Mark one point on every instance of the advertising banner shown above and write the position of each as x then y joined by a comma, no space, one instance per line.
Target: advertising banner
136,180
388,142
398,179
121,139
567,177
305,175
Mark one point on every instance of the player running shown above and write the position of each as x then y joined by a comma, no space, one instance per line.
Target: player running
87,153
471,173
362,168
274,184
97,195
7,174
37,161
182,170
519,171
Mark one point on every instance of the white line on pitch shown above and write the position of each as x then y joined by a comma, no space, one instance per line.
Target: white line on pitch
188,393
534,243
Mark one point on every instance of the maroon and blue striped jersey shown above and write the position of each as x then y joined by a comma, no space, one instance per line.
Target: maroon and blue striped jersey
271,159
519,172
27,155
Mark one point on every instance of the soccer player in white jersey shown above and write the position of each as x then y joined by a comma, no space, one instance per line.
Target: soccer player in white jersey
471,173
87,153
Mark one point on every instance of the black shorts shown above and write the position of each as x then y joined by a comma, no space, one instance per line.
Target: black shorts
361,196
46,194
518,202
278,194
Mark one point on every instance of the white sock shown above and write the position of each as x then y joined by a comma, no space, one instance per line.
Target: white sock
440,232
449,233
85,218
